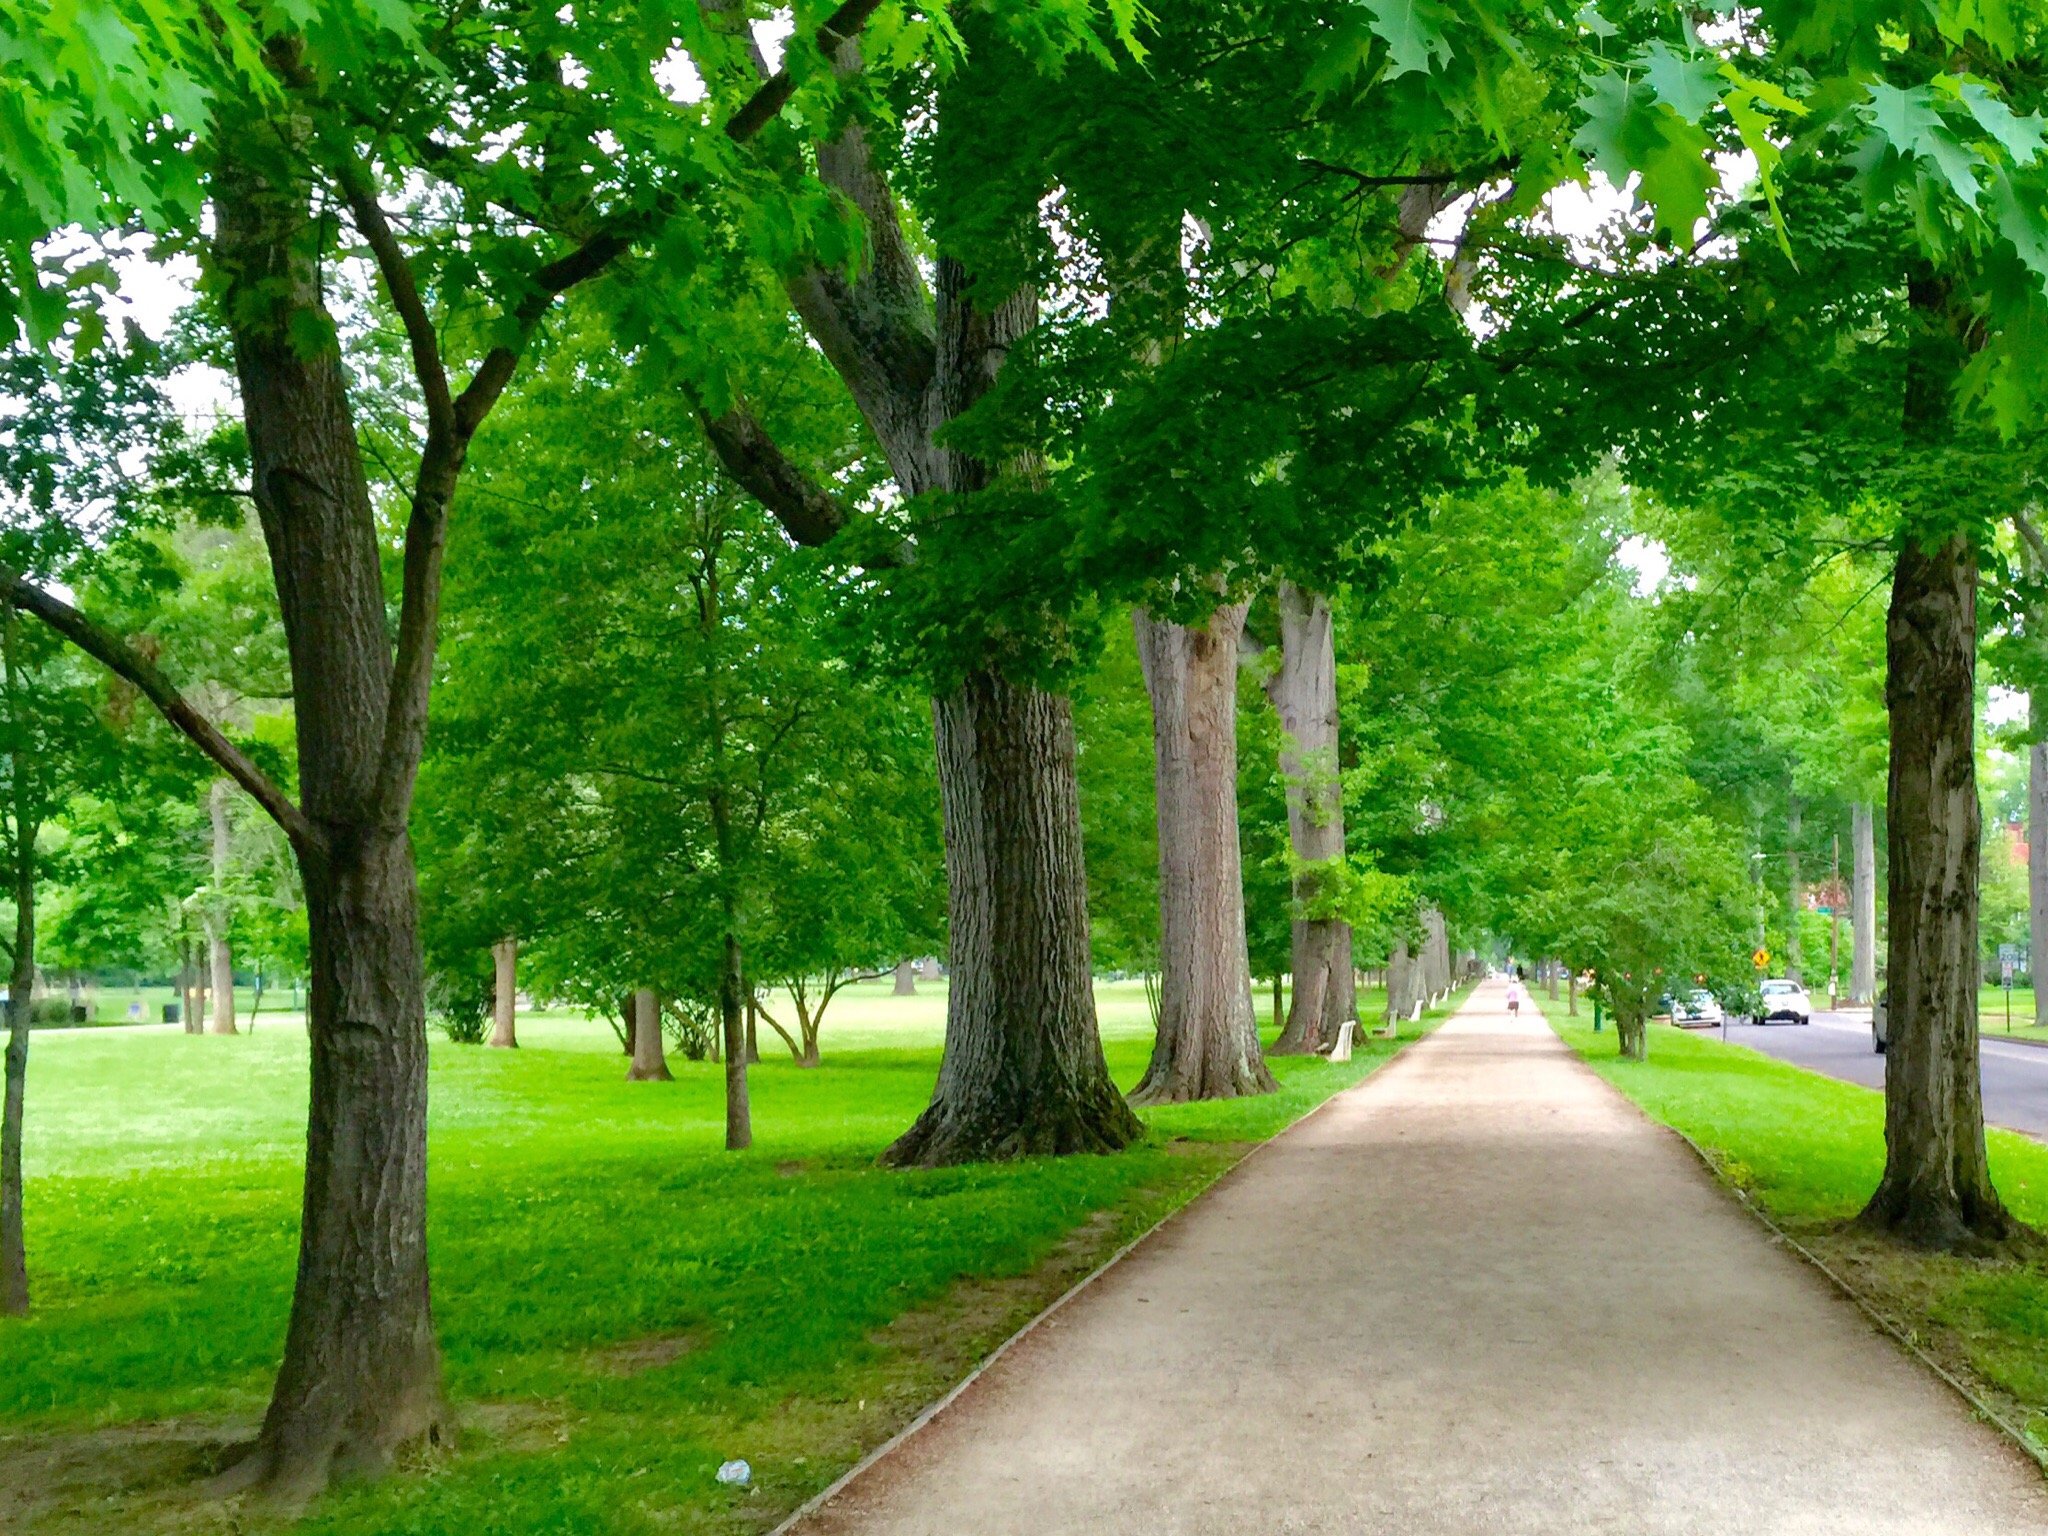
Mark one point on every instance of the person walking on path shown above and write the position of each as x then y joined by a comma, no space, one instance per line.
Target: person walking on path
1532,1314
1515,999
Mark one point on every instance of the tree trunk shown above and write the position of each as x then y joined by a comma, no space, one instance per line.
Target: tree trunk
361,1376
188,990
219,952
1571,994
1632,1034
20,1005
2037,875
732,1016
1936,1189
1303,691
1023,1071
1863,904
1401,982
505,994
627,1010
650,1059
1793,905
21,990
906,979
1207,1043
753,1033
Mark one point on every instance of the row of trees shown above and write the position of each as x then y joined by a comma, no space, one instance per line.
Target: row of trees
1008,329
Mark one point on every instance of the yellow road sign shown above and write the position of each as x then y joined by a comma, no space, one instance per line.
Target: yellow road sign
1762,958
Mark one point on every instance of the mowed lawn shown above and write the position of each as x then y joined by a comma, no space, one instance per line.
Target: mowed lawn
1809,1150
622,1305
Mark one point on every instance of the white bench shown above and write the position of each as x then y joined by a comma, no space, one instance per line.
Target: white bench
1340,1050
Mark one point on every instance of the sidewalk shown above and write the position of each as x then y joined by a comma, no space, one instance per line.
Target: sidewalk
1478,1293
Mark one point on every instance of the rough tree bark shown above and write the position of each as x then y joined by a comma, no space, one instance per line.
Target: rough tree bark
220,953
1023,1071
361,1375
1793,905
1207,1042
505,994
650,1060
2037,876
1936,1190
1303,690
906,979
1863,904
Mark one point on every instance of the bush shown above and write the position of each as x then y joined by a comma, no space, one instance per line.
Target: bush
461,1006
692,1028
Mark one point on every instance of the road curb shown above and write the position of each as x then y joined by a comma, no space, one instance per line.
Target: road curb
932,1410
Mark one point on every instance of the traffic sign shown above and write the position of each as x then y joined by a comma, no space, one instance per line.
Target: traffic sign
1762,959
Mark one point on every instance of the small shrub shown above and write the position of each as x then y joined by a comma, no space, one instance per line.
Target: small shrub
460,1006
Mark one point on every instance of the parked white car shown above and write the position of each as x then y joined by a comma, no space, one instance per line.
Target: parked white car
1695,1010
1785,1002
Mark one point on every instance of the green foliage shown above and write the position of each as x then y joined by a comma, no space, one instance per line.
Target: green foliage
657,723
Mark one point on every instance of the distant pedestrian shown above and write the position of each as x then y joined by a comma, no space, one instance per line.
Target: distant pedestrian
1515,998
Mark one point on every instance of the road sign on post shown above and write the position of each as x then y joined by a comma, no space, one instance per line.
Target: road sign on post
1761,959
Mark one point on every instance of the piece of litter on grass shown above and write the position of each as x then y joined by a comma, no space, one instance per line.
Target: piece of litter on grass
735,1474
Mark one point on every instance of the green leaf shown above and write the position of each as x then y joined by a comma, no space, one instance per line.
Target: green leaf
1689,86
2017,212
1903,116
1413,33
1590,18
2021,137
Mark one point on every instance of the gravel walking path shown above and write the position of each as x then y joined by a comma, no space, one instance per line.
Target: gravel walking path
1478,1293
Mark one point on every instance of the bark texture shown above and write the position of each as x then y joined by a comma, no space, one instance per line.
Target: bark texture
505,994
1023,1071
650,1060
1303,691
220,954
1207,1042
906,979
361,1376
1936,1190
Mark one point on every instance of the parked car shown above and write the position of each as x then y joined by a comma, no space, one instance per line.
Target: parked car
1696,1010
1784,1001
1880,1022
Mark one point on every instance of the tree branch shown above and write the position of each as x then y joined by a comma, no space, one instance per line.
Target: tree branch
808,512
124,661
404,290
2036,545
761,109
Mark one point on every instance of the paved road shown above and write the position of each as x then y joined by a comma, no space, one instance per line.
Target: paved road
1478,1294
2015,1076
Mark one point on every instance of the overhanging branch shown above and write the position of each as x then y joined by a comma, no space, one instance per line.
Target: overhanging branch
124,661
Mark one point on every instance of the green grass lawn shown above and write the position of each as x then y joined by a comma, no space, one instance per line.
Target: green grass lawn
622,1305
1809,1149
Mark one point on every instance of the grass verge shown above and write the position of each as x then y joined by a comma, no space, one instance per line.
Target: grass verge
622,1305
1808,1150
